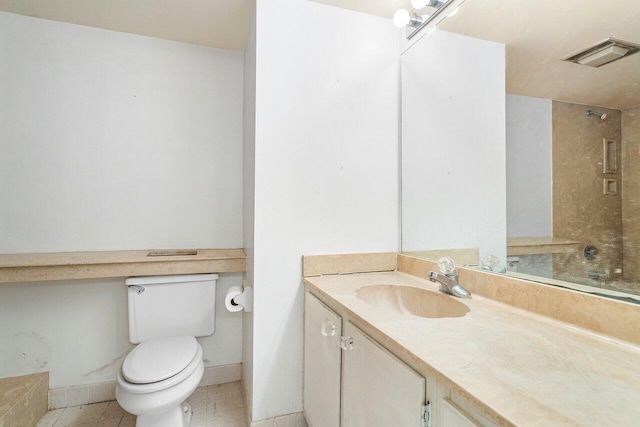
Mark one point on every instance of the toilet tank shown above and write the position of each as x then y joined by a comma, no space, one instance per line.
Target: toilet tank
166,306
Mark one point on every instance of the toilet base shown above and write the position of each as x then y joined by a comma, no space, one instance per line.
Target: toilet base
178,416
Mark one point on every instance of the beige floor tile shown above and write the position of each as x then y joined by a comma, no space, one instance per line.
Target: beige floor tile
220,405
71,422
127,423
96,407
50,418
112,411
200,393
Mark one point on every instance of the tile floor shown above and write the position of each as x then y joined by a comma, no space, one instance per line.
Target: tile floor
219,405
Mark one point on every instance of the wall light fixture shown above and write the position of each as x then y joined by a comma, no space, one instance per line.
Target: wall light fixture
425,14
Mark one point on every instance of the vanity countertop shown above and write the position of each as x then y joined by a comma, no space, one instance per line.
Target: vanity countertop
518,367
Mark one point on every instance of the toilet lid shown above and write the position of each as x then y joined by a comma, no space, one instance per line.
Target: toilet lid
159,359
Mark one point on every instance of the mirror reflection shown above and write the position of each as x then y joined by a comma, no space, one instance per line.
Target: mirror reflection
571,144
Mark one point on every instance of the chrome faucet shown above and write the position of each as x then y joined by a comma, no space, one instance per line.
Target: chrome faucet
449,285
449,280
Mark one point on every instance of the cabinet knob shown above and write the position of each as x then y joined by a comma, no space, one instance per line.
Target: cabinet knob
346,343
328,329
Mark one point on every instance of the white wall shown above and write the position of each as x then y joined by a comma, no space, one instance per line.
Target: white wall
326,171
249,179
110,141
453,144
529,169
77,330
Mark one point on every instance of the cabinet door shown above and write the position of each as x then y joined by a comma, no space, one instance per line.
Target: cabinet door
322,330
452,416
449,409
378,390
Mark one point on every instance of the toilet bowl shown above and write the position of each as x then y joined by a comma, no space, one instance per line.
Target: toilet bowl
157,377
166,313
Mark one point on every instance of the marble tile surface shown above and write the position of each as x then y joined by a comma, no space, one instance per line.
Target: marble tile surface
23,400
631,195
315,265
580,209
517,367
616,319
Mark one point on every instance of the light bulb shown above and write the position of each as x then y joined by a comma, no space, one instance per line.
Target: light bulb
401,18
419,4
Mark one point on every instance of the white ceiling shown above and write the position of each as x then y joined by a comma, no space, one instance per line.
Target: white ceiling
218,23
538,34
384,8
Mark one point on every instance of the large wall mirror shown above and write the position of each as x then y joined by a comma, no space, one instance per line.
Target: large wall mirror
521,139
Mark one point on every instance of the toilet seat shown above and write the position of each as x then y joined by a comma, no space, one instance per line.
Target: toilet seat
155,365
158,359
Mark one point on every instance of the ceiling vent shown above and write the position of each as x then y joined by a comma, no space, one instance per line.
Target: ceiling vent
604,52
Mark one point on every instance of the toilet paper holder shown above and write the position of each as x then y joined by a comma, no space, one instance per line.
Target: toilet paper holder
239,298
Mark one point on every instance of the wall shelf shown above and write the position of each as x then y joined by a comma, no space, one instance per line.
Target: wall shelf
93,265
540,245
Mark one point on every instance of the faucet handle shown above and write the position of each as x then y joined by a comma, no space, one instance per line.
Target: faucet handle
447,265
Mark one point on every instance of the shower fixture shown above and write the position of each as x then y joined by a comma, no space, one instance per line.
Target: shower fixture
595,113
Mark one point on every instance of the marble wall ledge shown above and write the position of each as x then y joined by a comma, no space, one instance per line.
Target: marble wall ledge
317,265
93,265
540,245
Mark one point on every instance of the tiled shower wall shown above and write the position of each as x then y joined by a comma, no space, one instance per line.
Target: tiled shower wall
580,209
631,193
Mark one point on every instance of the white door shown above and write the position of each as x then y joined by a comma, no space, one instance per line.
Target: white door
378,390
322,330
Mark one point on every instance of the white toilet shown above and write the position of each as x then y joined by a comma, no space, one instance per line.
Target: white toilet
166,313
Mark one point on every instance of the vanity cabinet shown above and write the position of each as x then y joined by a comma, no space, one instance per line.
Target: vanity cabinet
322,363
451,415
378,390
449,409
352,381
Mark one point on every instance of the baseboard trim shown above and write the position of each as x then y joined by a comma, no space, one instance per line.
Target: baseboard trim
221,374
85,394
290,420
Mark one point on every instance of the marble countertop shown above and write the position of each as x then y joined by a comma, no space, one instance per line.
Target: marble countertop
516,366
